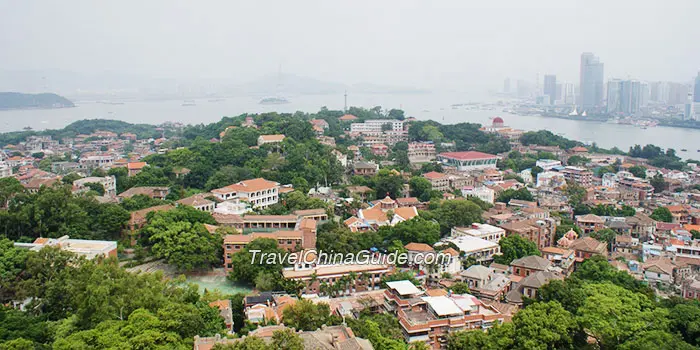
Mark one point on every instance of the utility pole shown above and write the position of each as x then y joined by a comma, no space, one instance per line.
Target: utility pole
345,108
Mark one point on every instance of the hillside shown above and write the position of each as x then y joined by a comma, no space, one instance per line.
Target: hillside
16,100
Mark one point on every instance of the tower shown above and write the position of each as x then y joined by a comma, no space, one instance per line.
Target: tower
345,106
591,81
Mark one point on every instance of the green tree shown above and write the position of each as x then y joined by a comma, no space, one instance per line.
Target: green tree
638,171
460,288
515,247
286,340
544,326
183,244
458,212
662,214
420,188
521,194
307,316
246,270
93,186
387,183
659,183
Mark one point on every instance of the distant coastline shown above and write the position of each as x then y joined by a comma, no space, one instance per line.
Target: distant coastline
19,101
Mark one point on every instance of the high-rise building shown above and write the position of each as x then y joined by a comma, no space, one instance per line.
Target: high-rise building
697,89
550,87
645,94
506,86
591,81
624,96
613,99
677,94
568,93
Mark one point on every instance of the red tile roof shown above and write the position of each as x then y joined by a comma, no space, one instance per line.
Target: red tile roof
468,155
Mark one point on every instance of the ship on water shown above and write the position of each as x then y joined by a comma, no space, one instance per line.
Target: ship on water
188,103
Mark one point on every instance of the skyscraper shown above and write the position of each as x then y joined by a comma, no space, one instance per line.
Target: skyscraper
506,86
613,99
696,99
591,81
550,87
624,96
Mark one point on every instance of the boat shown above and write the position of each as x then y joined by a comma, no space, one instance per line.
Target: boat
217,100
29,128
684,150
273,101
189,103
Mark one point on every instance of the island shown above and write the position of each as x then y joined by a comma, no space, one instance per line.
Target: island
273,101
17,100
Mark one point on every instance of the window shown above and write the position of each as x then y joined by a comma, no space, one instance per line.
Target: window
237,247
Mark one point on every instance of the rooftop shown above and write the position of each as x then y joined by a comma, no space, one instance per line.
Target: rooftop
468,155
404,287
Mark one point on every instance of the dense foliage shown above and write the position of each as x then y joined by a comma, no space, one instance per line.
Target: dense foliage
598,301
77,304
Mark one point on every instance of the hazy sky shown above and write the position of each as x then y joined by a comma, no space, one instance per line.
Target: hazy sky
404,42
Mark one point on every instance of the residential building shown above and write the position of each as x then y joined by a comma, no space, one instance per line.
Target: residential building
562,259
581,176
529,286
479,249
109,183
376,126
270,139
590,223
318,275
260,193
468,161
134,168
431,319
154,192
550,179
439,181
226,312
421,152
484,231
540,231
525,266
365,168
586,247
484,193
379,150
199,201
548,164
5,170
88,248
327,337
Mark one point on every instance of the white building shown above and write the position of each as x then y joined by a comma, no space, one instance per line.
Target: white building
526,175
482,192
5,170
87,248
548,164
374,127
259,192
480,249
609,180
233,206
108,182
484,231
341,157
469,160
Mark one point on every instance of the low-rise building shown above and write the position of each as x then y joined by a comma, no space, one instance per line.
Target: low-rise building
260,193
439,181
90,249
590,223
528,265
581,176
364,168
587,247
468,161
484,193
154,192
479,249
484,231
109,183
270,139
421,152
199,201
